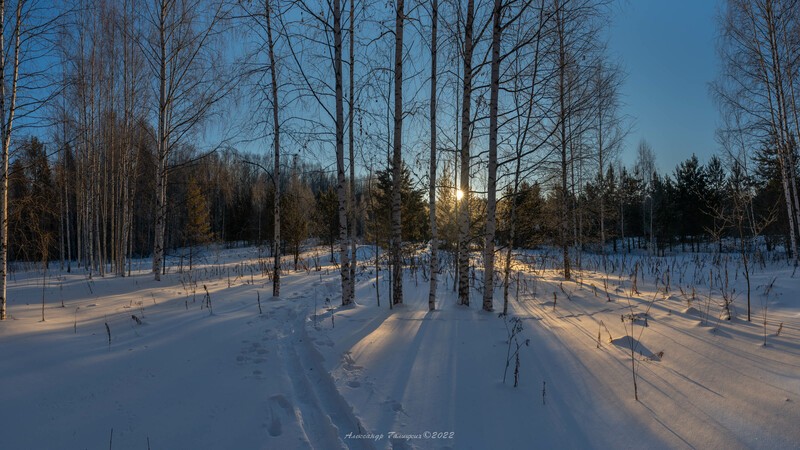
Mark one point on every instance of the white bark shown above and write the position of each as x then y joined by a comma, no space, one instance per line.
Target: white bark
351,148
397,159
434,268
466,125
7,112
341,187
491,203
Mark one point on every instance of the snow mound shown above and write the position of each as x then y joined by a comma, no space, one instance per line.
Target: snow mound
692,311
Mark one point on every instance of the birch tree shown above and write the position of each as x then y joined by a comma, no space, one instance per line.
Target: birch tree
351,150
341,187
263,20
465,159
276,146
179,49
491,203
8,107
576,42
609,132
317,36
26,29
434,267
760,53
397,158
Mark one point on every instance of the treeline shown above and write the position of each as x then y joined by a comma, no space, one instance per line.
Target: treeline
695,207
223,197
227,197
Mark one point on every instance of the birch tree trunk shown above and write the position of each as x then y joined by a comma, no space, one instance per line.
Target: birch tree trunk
491,203
466,125
341,187
276,143
397,159
351,148
434,269
563,200
162,143
7,112
188,86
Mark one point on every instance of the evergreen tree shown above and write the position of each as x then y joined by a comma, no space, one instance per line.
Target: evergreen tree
692,189
198,224
415,222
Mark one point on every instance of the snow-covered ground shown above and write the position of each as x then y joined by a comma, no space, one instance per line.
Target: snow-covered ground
303,372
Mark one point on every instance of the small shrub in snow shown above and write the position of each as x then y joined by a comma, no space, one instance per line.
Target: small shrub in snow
108,332
207,301
513,328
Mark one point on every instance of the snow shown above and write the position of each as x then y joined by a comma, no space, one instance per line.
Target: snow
308,373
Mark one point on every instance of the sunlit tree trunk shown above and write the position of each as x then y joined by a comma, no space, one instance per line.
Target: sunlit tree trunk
397,159
7,111
562,101
341,187
162,144
466,125
434,268
491,203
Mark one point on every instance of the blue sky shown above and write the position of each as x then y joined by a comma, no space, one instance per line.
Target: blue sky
667,49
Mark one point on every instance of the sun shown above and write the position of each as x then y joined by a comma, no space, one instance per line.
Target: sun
459,194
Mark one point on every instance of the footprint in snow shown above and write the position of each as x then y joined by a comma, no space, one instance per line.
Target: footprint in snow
278,407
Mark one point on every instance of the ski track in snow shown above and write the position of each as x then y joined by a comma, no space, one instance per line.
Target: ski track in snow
322,412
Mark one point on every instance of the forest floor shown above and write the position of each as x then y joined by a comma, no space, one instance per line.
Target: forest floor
131,363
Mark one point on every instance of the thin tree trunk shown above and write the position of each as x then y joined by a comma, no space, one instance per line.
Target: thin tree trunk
464,207
491,203
520,145
276,237
434,269
562,63
7,118
351,148
341,188
162,147
397,159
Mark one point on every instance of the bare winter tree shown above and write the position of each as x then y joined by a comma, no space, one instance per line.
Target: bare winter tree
738,213
318,36
341,189
351,100
644,169
576,41
8,107
529,135
25,33
465,159
523,38
609,132
491,203
760,57
263,20
397,158
276,145
434,268
178,44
